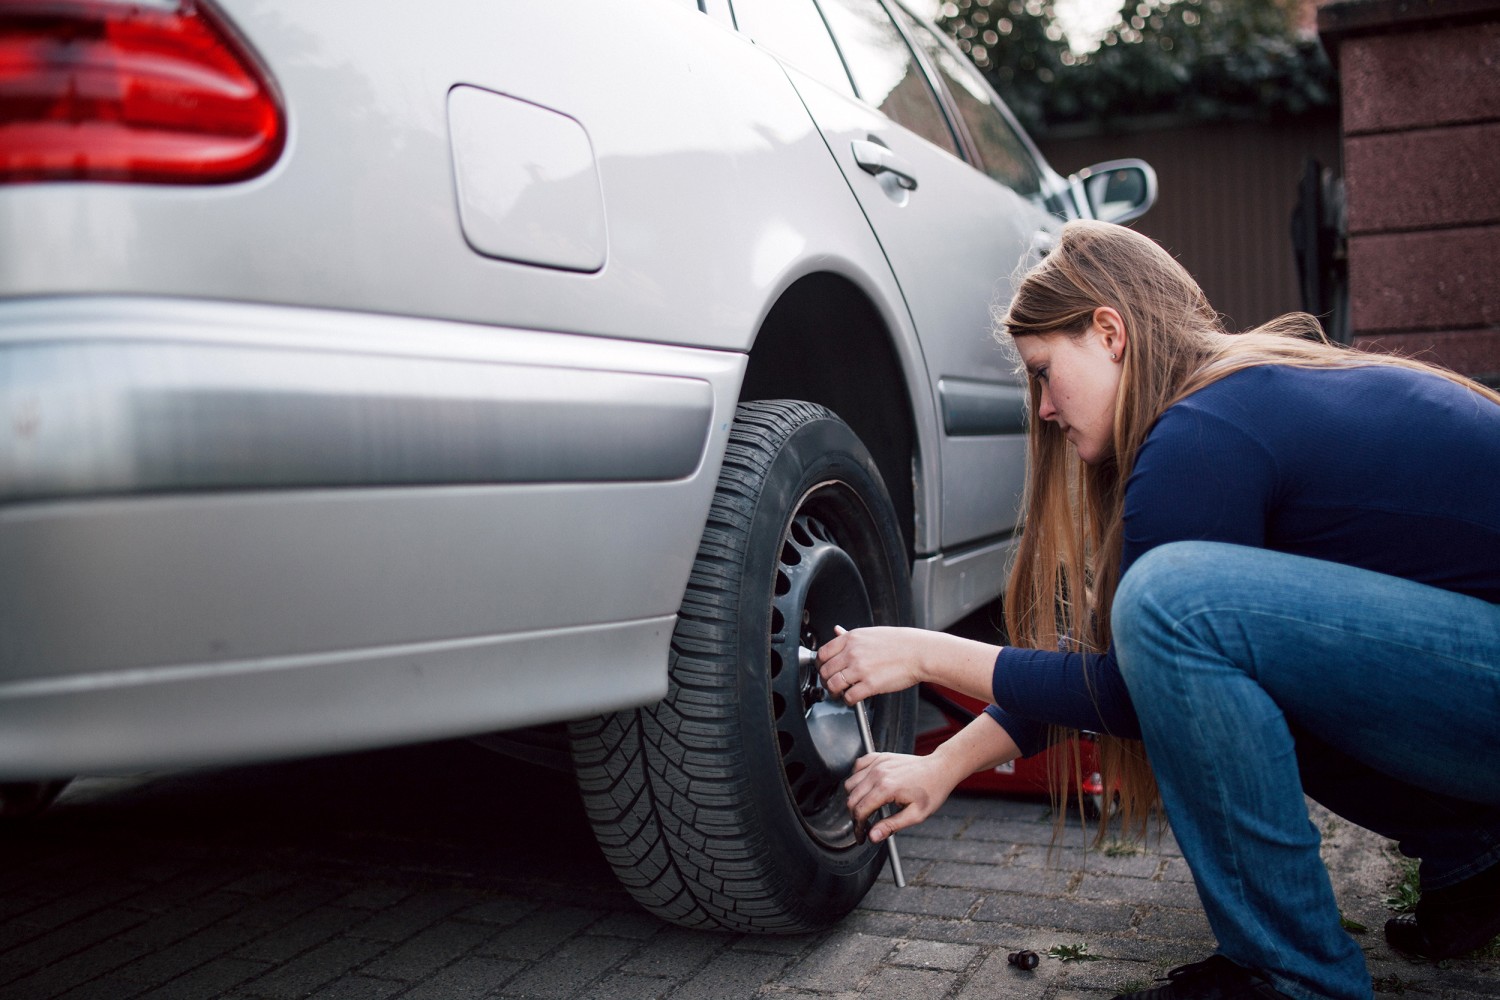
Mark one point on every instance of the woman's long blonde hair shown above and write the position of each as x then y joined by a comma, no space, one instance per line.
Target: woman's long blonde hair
1068,563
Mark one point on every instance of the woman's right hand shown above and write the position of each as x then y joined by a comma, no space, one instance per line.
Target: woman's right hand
919,784
880,659
869,661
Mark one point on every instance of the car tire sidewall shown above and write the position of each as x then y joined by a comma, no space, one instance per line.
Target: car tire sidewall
819,451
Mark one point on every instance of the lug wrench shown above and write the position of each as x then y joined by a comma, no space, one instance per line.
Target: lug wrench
807,658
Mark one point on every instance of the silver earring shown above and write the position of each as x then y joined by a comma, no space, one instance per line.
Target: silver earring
1114,357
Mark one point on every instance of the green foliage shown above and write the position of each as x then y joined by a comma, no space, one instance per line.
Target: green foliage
1122,849
1406,891
1205,60
1072,953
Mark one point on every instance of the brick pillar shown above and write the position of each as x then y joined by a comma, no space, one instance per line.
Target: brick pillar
1421,129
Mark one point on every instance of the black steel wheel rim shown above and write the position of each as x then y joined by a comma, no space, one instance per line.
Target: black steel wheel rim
818,584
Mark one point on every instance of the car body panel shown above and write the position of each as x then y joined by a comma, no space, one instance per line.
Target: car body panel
415,434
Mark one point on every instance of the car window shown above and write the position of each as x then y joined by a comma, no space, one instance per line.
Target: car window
885,72
794,30
1004,155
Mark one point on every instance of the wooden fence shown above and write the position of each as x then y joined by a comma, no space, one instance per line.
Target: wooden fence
1226,200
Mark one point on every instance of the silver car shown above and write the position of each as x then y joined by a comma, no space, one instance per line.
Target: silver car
410,371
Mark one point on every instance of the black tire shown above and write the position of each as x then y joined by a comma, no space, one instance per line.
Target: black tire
722,806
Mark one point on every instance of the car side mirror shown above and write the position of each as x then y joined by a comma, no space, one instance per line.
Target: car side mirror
1115,191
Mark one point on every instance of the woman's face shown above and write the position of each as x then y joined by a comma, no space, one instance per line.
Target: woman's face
1079,378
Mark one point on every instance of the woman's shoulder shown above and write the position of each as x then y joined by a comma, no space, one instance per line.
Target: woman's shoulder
1284,389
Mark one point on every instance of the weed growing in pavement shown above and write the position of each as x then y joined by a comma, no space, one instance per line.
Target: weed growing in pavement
1352,926
1123,849
1072,953
1405,893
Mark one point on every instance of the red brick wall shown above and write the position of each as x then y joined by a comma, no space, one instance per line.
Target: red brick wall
1421,124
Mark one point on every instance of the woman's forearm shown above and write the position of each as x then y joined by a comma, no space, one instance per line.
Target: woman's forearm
979,746
964,665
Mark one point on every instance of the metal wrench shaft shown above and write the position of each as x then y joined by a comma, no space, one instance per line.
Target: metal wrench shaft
808,660
869,742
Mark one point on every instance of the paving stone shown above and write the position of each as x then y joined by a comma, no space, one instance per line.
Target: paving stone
1173,923
56,978
206,980
399,922
304,932
537,934
287,906
372,897
83,903
731,974
637,924
162,958
939,826
909,984
997,979
1067,914
358,988
1136,890
313,969
979,851
1037,881
1175,870
216,910
74,938
469,978
935,955
674,953
427,951
937,901
839,962
882,923
1144,865
780,944
977,932
1101,975
106,987
627,986
1010,831
570,968
498,911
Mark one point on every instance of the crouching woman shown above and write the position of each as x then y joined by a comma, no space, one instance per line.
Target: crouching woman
1273,562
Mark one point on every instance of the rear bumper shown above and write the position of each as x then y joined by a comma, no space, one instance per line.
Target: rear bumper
233,532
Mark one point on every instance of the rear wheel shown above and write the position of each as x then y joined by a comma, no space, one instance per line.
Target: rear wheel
723,805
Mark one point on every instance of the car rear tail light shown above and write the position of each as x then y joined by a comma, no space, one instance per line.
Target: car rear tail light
112,91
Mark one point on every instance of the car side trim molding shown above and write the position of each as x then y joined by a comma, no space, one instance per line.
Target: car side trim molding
124,415
972,408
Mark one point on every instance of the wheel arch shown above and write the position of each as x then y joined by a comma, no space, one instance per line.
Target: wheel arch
825,341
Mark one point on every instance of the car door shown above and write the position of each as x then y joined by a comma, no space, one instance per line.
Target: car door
954,236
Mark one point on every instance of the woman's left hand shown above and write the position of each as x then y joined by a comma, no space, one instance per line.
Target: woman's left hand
918,784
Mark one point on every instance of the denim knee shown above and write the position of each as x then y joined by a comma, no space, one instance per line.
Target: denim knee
1161,588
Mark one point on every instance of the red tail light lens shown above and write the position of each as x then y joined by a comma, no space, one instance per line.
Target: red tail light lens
111,91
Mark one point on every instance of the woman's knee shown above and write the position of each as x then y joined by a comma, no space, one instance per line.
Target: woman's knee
1163,588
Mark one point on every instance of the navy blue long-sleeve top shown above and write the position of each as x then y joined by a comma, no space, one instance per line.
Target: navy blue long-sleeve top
1383,468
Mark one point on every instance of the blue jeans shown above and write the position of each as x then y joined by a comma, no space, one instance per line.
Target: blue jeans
1257,675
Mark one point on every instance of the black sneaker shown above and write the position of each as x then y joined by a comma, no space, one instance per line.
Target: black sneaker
1451,921
1214,978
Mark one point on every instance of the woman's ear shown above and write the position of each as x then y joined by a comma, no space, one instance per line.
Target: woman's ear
1112,333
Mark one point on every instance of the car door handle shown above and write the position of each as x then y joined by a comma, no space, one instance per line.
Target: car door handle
875,159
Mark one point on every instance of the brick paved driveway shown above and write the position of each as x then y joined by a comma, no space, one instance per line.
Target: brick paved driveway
447,872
